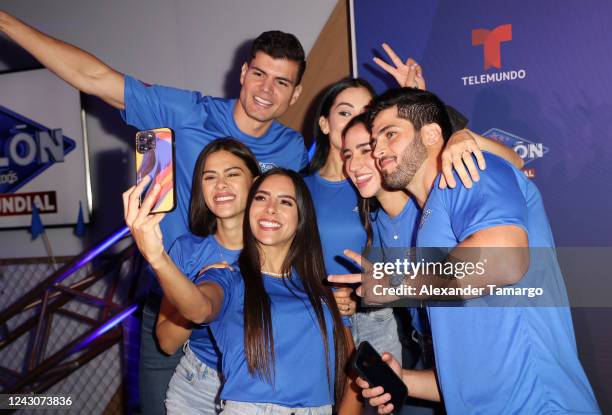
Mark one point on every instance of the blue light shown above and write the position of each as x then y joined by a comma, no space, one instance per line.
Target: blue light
94,252
106,327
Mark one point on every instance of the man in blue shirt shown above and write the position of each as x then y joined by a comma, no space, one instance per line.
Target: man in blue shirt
489,359
270,84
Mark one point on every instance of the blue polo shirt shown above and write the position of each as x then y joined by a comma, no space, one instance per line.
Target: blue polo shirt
191,253
503,360
300,376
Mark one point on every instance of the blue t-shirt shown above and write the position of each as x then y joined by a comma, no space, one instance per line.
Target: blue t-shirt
300,377
503,359
392,238
336,205
191,253
197,120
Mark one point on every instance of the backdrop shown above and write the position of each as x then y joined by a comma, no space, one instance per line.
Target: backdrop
535,75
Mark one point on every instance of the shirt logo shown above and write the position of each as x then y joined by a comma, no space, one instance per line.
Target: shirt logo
264,167
424,216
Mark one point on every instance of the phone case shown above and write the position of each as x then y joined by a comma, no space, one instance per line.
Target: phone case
155,158
370,366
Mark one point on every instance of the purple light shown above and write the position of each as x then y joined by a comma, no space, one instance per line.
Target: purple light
94,252
106,327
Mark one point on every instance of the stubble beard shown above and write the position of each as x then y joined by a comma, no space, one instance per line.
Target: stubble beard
409,162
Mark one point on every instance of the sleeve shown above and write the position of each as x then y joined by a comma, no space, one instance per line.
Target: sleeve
177,254
154,106
493,201
225,279
304,162
299,162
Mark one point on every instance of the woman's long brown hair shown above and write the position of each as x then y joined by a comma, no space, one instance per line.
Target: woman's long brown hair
305,257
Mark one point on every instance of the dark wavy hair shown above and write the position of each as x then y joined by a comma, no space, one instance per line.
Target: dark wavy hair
202,221
281,45
305,257
415,105
330,95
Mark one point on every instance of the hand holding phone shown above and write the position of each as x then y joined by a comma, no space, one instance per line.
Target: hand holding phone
370,366
155,158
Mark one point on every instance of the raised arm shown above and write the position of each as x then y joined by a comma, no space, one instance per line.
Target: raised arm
172,329
199,303
80,69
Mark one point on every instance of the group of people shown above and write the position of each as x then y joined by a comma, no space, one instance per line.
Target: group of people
256,270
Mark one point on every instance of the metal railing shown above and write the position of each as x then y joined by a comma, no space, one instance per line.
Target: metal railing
52,353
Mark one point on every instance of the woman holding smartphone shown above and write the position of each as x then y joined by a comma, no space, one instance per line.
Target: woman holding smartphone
275,322
223,175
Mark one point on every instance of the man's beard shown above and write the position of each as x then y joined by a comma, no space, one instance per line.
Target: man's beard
409,162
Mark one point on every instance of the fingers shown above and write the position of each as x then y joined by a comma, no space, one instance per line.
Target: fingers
385,409
133,203
392,55
482,165
148,203
468,160
362,383
447,171
345,278
461,171
384,65
126,198
381,400
387,357
346,304
442,184
342,292
371,393
358,259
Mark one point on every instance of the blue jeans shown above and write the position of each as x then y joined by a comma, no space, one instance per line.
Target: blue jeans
253,408
155,367
379,327
194,387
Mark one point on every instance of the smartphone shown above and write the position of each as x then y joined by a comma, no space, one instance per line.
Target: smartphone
370,366
155,158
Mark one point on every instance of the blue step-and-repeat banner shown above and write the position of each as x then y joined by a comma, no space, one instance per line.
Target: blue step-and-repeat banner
534,75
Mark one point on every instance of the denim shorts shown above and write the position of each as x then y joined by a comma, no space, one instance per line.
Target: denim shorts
254,408
194,387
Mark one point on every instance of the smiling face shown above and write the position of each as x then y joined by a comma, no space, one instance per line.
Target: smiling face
268,87
359,164
348,103
398,149
274,214
226,181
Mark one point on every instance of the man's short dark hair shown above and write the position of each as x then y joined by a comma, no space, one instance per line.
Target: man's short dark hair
415,105
281,45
